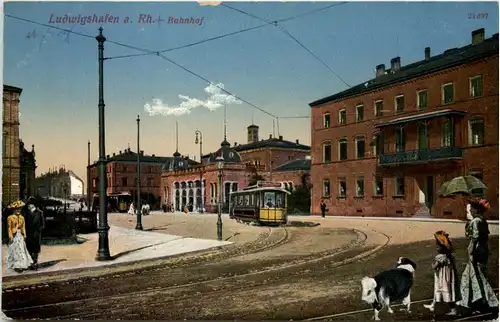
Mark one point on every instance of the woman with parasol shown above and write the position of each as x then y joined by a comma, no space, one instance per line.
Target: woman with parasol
18,257
474,287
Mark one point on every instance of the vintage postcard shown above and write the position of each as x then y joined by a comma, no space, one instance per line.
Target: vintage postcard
208,160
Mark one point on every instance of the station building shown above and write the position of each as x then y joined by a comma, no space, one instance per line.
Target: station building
196,185
385,146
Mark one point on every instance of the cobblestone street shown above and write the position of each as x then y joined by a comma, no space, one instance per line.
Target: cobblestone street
300,271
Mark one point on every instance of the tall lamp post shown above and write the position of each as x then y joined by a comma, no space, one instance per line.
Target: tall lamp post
88,176
103,228
199,140
65,189
138,208
220,167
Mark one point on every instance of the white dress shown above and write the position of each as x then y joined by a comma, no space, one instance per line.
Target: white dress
18,256
444,280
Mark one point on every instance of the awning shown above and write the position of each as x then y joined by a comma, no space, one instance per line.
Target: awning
421,117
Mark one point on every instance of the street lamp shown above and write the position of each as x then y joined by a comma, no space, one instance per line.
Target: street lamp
103,228
220,167
138,208
199,140
65,189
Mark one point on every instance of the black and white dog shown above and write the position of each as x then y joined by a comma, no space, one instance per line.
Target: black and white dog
389,286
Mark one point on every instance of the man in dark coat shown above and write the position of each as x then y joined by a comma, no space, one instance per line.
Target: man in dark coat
323,208
35,223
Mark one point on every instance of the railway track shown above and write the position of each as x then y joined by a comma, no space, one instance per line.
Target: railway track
167,295
262,243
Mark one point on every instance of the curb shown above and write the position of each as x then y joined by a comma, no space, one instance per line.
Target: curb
493,222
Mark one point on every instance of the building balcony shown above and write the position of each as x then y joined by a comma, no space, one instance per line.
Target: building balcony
421,156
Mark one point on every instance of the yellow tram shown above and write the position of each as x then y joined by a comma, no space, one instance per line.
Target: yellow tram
260,203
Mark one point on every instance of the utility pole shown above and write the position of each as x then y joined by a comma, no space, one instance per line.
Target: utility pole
138,208
88,177
103,228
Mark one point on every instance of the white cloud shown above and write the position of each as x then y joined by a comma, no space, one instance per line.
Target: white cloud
216,99
209,3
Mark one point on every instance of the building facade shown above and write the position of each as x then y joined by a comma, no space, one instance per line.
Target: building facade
60,183
121,173
197,186
19,164
384,147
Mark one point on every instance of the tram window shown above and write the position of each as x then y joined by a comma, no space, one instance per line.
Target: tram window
279,200
250,200
240,200
269,199
247,200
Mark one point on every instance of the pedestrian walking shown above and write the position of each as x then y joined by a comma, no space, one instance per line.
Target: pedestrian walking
131,209
323,208
35,223
18,257
446,286
475,289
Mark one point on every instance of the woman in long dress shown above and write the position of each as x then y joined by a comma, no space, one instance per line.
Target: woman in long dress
474,287
18,257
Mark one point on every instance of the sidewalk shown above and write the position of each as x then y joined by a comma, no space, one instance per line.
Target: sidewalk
126,245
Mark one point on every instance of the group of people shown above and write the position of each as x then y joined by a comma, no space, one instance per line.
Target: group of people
145,209
24,229
473,290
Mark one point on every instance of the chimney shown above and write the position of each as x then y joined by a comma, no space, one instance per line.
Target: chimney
281,137
270,136
107,157
297,141
114,154
141,152
395,64
478,36
235,143
427,53
380,70
120,151
153,155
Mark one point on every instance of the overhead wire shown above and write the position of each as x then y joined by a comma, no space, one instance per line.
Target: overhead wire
286,32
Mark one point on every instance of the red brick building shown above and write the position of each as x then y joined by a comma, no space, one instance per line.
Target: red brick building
274,159
121,172
384,147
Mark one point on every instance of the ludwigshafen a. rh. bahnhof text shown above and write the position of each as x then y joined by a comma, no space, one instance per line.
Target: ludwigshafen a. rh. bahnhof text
110,19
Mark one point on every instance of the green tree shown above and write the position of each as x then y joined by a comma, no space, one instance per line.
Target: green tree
300,198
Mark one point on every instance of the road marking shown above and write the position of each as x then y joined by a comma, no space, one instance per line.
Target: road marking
371,310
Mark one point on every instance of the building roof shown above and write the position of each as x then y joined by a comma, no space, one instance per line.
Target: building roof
449,59
12,89
295,165
177,162
229,154
272,143
131,156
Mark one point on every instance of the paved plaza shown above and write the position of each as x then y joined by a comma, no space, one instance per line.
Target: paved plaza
307,269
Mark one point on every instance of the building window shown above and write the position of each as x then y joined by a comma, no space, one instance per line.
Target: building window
342,117
124,182
360,147
326,188
94,183
360,113
476,86
448,93
360,187
326,120
448,135
422,99
400,139
478,173
327,152
476,132
400,186
378,144
343,149
342,188
379,108
399,103
378,186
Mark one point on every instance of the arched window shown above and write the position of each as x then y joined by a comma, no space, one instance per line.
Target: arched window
342,149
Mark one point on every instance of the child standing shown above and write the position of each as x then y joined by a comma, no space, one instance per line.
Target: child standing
445,274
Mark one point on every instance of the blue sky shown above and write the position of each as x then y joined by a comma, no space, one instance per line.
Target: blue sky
262,66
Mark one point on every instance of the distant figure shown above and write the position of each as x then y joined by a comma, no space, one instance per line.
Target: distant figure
323,208
172,207
164,207
131,210
185,210
145,210
35,223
